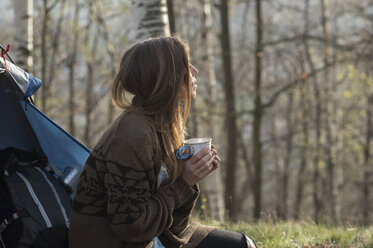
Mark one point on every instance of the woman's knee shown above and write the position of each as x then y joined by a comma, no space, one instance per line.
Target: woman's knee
226,239
250,242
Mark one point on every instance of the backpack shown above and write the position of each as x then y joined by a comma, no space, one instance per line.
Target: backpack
34,205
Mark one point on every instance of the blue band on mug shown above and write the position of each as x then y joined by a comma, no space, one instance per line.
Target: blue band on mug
184,156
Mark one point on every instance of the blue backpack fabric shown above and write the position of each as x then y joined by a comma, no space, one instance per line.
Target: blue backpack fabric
39,166
26,128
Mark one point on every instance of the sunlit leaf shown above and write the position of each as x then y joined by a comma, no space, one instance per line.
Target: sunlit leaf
347,94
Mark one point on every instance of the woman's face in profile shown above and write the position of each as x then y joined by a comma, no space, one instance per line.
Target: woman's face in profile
193,73
193,86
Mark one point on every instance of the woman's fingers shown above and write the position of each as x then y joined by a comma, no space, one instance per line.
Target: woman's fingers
205,170
199,155
206,166
209,167
217,158
204,159
201,164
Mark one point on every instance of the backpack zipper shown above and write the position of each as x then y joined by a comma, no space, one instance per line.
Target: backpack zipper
36,200
58,199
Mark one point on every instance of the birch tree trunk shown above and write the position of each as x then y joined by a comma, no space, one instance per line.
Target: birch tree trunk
230,182
212,184
150,19
23,34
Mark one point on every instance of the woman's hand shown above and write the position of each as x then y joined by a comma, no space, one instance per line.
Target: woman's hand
216,162
200,165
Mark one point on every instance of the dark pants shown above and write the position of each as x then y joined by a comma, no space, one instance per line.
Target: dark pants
224,239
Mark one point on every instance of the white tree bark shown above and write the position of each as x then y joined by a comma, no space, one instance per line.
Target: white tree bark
149,19
23,33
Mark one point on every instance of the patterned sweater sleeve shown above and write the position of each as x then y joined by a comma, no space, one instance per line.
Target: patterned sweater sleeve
137,213
174,235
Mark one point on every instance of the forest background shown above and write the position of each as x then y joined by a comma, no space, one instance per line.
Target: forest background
285,89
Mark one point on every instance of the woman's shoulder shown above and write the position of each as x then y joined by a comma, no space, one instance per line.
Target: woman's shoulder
132,125
129,129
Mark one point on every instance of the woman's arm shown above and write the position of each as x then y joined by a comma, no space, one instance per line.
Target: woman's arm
192,171
136,213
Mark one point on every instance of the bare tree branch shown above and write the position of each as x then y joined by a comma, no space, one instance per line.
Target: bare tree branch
301,37
311,74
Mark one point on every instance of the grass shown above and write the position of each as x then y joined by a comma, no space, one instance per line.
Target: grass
302,235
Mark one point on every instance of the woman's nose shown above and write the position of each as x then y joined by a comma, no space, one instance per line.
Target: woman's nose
193,70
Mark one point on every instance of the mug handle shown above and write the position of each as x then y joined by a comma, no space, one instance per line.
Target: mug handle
181,149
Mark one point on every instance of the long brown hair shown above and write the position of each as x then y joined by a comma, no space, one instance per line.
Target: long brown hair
156,73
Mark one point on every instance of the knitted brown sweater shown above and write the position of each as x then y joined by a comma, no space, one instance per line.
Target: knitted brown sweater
117,202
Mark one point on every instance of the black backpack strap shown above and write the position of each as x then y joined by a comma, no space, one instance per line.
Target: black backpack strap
9,162
21,211
6,221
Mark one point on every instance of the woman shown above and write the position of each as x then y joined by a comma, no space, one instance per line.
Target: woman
120,200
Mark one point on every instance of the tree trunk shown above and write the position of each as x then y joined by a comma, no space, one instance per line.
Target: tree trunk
287,159
329,140
150,19
71,67
23,34
113,58
248,184
317,94
44,57
230,181
367,170
171,16
212,185
88,111
338,126
258,112
277,164
303,152
55,43
91,60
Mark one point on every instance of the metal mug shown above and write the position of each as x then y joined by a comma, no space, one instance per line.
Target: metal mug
194,145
